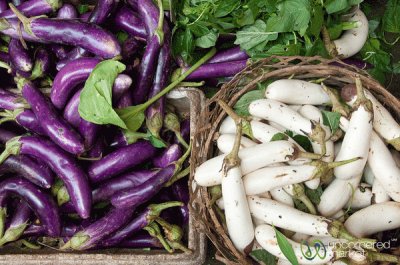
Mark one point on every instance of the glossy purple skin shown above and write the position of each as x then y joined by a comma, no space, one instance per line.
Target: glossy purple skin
3,5
30,8
43,57
121,85
125,100
4,57
41,203
13,27
67,11
56,128
97,149
85,16
73,32
120,160
71,75
119,139
24,166
19,57
133,4
86,129
213,70
140,241
134,226
149,14
59,51
355,62
146,71
108,224
232,54
168,156
125,181
180,190
141,194
127,20
185,130
71,56
21,215
130,47
65,167
6,135
10,101
28,120
67,230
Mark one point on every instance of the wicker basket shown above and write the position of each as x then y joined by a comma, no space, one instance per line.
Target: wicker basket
337,74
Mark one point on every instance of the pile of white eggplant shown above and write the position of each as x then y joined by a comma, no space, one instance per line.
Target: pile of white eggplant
357,166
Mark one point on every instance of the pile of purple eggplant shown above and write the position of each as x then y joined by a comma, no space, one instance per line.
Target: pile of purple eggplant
79,184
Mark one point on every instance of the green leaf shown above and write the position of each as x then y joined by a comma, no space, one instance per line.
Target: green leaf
316,21
132,116
156,142
391,17
302,140
242,105
83,9
314,194
183,44
96,97
122,36
225,7
207,40
331,119
263,256
254,35
396,68
286,247
335,6
279,137
292,15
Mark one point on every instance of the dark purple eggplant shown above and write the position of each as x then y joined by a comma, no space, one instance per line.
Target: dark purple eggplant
59,51
42,63
214,70
127,20
6,135
40,202
93,234
55,126
87,130
355,62
120,160
155,113
121,85
144,192
185,131
181,193
228,55
97,150
3,5
62,164
19,57
139,222
85,16
32,8
150,15
126,100
4,57
28,168
71,75
168,156
18,223
25,118
71,32
126,181
37,230
72,55
130,47
11,101
122,138
67,11
140,241
12,27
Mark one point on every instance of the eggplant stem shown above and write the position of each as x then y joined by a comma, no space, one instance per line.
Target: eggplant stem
12,148
5,66
172,232
29,245
24,20
154,230
362,100
382,257
156,209
192,84
3,215
181,140
300,195
178,176
337,105
343,162
180,246
13,233
160,26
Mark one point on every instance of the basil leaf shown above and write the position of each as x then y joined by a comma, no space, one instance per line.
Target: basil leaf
286,247
96,97
391,17
263,256
242,105
331,119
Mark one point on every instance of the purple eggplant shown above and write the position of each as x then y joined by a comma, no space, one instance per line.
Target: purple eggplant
11,101
144,192
13,27
66,80
140,241
32,8
120,160
97,150
17,2
168,156
139,222
213,70
355,62
55,126
126,181
4,57
97,231
67,230
87,130
67,11
25,118
19,57
40,202
228,55
122,138
72,55
68,32
121,85
42,63
18,223
125,100
85,16
6,135
185,131
59,51
3,5
130,47
28,168
155,113
127,20
62,164
181,193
